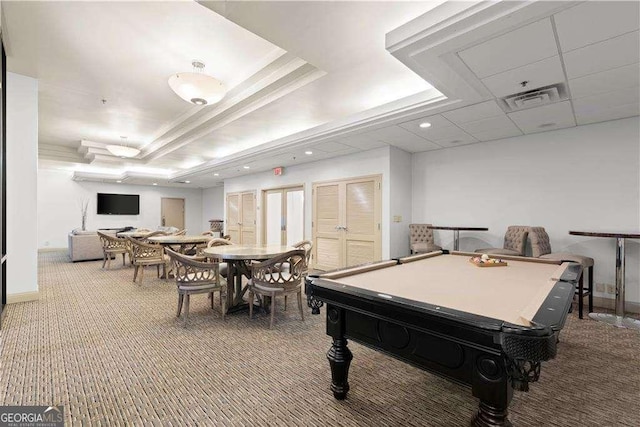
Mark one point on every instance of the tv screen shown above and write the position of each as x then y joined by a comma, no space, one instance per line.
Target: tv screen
118,204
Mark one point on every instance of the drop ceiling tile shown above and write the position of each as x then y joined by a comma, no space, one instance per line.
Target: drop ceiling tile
620,112
544,118
474,112
485,125
417,147
395,134
612,53
490,135
514,49
362,142
604,101
594,21
448,135
606,81
443,133
455,140
542,73
436,121
331,147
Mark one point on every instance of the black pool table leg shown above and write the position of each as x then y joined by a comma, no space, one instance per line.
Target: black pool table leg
339,355
492,386
489,415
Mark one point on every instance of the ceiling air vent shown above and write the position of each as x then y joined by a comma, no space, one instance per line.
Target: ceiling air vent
534,98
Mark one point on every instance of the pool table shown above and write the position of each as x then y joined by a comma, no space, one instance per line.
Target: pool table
487,328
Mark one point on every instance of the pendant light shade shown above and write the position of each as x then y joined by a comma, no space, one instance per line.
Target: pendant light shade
196,87
123,150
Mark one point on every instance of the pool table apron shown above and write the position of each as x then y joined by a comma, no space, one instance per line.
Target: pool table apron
513,293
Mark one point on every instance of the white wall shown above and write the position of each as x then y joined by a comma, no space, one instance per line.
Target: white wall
400,201
59,199
212,205
581,178
371,162
22,172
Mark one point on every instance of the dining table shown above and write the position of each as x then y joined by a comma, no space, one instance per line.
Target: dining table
133,234
183,243
619,318
239,259
456,232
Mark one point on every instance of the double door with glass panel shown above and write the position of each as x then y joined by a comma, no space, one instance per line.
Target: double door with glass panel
283,216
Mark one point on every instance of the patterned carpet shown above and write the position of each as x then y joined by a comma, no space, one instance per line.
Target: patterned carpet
113,353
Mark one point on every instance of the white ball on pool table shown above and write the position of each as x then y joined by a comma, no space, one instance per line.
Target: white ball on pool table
484,257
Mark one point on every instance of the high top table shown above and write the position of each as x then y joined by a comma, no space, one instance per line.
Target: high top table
238,259
456,232
618,319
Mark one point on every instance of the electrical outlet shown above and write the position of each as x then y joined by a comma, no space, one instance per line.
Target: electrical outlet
611,289
397,218
600,287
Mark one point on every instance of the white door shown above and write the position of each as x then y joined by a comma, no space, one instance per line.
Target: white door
241,217
283,216
347,222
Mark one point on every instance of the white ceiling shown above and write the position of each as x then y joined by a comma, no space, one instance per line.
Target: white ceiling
311,76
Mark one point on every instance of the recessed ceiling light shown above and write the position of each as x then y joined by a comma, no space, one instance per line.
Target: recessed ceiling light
155,183
308,153
216,174
546,125
187,182
425,125
247,167
118,182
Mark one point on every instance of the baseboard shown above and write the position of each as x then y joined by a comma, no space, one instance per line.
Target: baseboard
610,303
23,297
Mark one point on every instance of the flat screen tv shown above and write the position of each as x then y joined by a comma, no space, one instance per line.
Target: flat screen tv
118,204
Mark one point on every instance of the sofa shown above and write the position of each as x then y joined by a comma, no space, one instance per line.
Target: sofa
85,245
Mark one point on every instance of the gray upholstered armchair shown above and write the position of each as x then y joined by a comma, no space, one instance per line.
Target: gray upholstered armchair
421,239
515,240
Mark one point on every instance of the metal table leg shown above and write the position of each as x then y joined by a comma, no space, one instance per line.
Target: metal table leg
618,320
456,240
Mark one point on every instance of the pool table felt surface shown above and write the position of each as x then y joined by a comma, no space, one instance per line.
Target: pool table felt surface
513,293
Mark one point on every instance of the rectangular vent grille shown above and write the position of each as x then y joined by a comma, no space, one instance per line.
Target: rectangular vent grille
534,98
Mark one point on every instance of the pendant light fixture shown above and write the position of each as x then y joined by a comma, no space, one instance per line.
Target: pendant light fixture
123,150
197,87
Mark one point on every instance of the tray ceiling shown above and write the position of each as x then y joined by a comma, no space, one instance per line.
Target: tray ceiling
333,78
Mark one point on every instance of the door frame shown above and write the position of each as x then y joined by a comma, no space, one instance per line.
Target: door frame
263,206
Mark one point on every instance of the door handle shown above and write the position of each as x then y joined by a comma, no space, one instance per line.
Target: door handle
163,221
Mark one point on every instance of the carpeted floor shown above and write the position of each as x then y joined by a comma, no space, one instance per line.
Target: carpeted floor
113,353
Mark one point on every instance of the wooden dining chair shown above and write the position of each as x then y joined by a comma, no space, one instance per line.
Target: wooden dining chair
196,276
147,254
268,279
112,246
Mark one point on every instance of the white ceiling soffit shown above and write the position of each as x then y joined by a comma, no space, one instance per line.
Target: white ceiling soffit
474,53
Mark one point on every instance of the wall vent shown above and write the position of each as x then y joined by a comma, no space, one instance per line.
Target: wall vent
534,98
